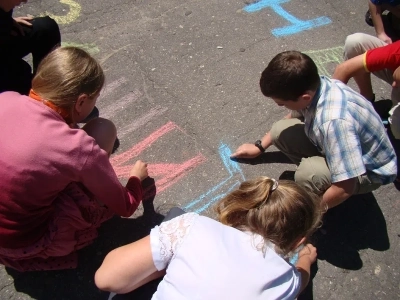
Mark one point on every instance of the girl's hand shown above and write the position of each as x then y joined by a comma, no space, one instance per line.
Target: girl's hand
17,28
24,20
139,170
310,252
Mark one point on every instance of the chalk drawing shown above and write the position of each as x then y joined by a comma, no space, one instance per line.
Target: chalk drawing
122,103
296,25
144,119
91,48
165,174
327,56
73,13
235,177
111,87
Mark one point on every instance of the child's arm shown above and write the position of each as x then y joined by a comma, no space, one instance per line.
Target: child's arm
376,15
350,68
250,150
307,256
127,268
354,68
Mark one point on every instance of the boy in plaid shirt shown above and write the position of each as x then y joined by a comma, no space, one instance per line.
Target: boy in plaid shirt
333,134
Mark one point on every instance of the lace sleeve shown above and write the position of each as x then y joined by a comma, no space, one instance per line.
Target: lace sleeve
166,238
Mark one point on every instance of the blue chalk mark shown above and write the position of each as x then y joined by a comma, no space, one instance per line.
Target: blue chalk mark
296,26
225,186
294,259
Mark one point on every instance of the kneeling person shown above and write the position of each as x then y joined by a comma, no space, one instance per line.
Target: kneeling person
334,136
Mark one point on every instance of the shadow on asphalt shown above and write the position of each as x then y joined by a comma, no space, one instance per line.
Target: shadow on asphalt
356,224
79,283
264,158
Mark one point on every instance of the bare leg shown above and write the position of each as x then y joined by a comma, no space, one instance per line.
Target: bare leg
363,81
103,131
359,43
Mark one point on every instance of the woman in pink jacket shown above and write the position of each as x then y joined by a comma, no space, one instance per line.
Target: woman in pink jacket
57,184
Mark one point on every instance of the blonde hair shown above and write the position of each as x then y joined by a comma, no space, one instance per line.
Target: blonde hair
65,74
283,215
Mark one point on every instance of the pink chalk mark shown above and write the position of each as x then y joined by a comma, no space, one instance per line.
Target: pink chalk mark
111,87
168,173
141,146
165,174
154,112
121,104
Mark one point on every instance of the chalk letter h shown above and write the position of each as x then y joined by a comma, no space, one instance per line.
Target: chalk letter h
296,24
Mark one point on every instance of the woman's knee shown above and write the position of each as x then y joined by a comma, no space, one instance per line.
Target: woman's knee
313,174
103,131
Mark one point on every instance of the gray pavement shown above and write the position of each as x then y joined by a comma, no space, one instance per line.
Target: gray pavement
182,88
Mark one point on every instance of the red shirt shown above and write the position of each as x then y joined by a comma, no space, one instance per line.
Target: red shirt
386,57
39,156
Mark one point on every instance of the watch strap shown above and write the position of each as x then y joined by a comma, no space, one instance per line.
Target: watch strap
259,146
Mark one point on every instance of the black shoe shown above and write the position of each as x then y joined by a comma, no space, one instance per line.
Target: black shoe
368,18
382,107
287,175
93,115
396,183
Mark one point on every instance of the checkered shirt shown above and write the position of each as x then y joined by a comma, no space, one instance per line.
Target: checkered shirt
345,128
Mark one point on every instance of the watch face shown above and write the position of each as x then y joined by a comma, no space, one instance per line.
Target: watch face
259,146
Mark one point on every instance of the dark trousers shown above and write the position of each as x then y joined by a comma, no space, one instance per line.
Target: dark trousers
39,39
174,212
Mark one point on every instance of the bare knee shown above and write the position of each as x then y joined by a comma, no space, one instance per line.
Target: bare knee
103,131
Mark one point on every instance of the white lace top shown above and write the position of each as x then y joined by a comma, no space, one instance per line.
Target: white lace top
208,260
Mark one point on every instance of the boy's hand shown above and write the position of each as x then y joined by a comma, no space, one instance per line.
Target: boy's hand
309,252
246,151
383,37
139,170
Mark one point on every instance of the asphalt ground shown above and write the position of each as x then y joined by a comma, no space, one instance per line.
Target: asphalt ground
182,89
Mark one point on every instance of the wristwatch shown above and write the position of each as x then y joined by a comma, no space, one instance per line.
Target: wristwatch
259,146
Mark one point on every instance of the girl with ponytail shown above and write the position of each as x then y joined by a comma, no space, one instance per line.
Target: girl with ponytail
243,255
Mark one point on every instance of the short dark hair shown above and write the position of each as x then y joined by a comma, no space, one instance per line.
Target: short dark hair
289,75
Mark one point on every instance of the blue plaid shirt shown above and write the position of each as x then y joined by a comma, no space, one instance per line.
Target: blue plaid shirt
345,128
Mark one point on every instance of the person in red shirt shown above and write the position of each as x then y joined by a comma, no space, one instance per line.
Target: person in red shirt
365,54
57,184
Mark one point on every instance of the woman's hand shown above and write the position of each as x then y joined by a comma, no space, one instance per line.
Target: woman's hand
139,170
307,256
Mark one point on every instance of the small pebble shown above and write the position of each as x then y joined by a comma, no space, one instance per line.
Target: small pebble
189,12
220,47
242,49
